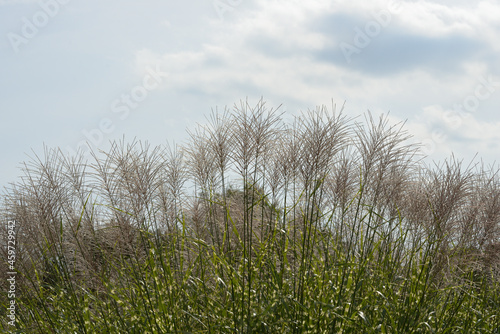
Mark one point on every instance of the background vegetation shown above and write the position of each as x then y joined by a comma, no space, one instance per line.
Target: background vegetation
319,225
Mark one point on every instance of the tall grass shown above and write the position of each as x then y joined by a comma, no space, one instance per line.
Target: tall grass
255,225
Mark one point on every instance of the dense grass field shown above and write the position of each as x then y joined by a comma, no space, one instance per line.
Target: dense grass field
322,225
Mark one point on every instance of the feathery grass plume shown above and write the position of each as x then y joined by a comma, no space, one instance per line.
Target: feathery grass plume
252,132
201,164
220,142
321,225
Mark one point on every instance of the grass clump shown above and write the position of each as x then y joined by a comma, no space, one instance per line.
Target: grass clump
254,225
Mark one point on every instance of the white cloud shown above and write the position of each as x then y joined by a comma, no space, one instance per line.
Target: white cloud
465,137
281,50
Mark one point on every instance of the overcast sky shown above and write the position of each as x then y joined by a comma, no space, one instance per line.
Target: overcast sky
74,71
